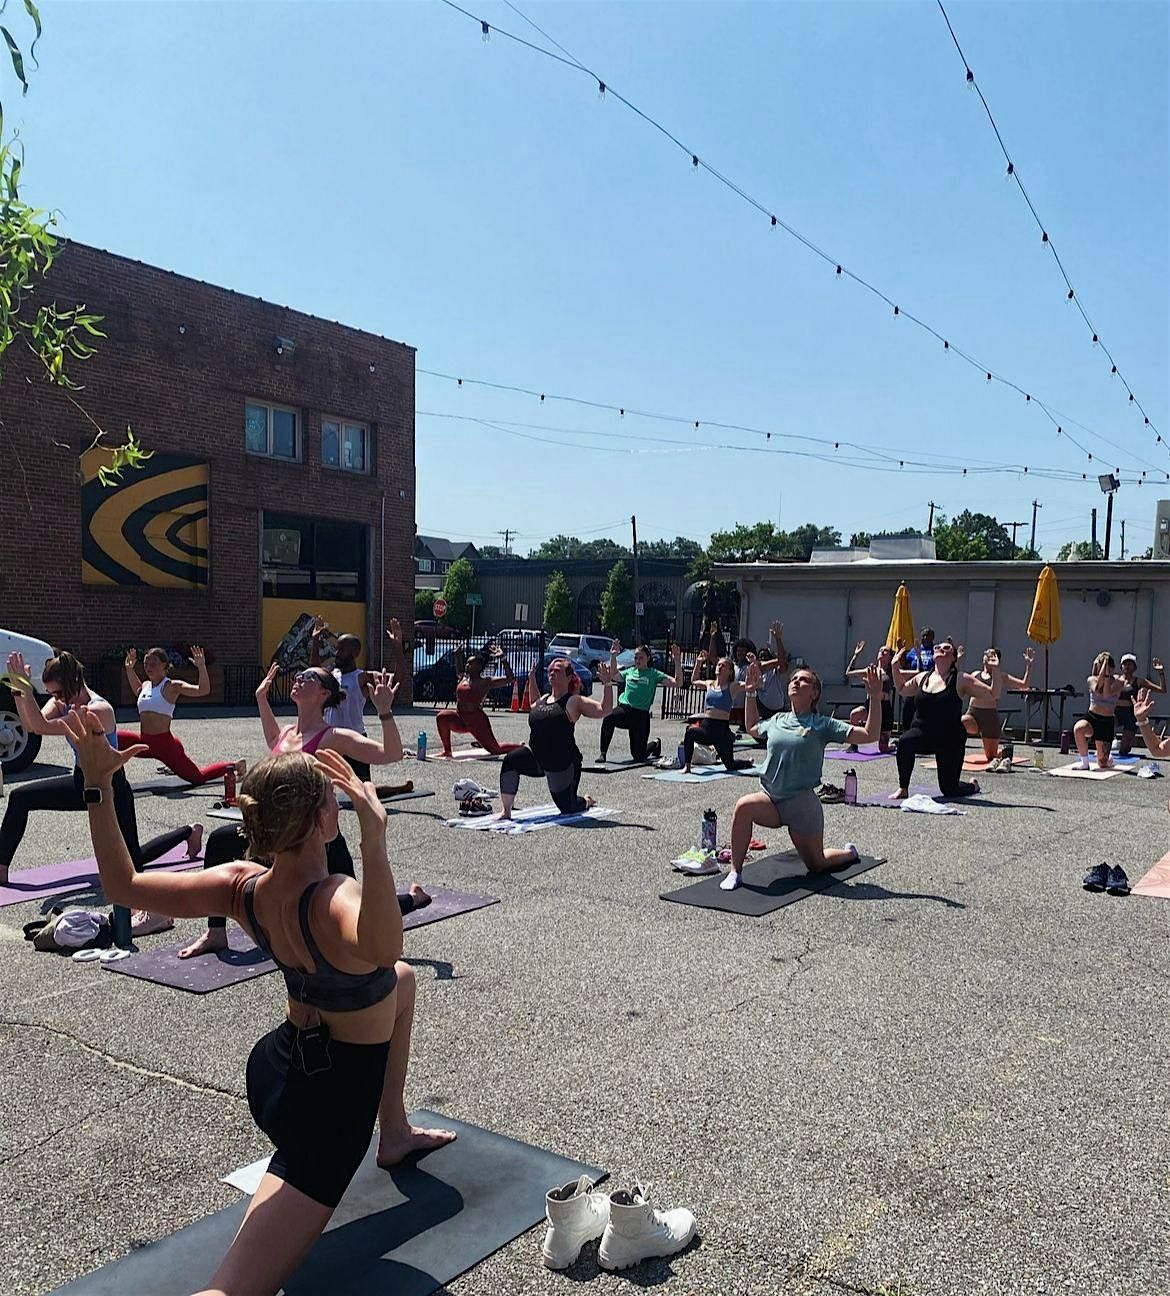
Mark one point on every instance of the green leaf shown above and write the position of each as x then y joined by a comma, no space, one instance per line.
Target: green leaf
35,14
16,56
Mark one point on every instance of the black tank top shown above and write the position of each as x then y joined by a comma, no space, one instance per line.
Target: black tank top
550,734
939,713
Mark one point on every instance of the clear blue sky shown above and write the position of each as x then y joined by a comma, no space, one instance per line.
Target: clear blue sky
381,165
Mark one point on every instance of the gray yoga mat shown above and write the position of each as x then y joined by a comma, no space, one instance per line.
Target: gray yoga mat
172,783
232,813
612,766
768,884
410,1230
242,960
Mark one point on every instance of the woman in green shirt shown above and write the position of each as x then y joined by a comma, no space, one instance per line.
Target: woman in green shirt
632,712
796,752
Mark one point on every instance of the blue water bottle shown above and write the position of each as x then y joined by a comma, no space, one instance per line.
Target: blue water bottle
422,745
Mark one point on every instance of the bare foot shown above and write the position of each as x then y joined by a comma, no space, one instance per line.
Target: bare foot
145,923
212,941
975,785
396,1147
686,769
444,755
900,795
590,802
419,896
195,842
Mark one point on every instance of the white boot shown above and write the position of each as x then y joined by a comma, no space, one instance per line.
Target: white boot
576,1215
636,1231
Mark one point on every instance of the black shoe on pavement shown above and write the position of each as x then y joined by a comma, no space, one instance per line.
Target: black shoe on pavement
1117,883
654,749
1097,878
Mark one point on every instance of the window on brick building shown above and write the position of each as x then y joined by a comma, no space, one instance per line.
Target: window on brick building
272,430
345,445
312,558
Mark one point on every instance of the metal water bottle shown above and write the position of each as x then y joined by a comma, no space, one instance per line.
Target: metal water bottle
1037,758
1009,754
850,787
1064,737
709,836
422,745
229,785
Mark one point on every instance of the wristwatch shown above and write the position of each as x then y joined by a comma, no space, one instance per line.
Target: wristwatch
92,795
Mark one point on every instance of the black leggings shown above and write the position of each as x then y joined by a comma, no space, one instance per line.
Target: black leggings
321,1122
64,793
627,717
947,749
562,784
712,733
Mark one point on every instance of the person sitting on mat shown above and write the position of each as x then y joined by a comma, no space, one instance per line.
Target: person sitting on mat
470,694
983,718
1100,722
938,720
1126,721
793,768
314,689
882,665
156,698
551,749
317,1083
713,728
639,684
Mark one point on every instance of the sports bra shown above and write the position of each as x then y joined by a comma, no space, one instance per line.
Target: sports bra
719,699
111,735
327,988
154,699
309,745
1101,699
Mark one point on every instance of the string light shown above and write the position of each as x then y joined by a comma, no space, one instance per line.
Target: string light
571,62
1014,175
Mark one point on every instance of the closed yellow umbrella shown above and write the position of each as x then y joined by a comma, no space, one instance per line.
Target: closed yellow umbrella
902,622
1044,623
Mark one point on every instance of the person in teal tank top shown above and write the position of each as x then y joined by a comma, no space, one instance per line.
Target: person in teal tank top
639,685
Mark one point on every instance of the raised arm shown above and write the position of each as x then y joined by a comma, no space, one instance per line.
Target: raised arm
532,687
778,646
487,683
268,721
198,659
1160,670
968,686
397,649
1143,707
315,635
849,670
381,691
905,681
1022,681
700,662
40,720
587,706
676,680
871,730
751,710
130,664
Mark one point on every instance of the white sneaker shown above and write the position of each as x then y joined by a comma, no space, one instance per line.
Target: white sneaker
636,1231
576,1214
1082,763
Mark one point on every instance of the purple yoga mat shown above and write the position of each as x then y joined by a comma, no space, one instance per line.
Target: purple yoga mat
865,754
76,875
242,961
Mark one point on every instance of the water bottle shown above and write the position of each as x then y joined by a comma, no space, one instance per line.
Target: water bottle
1008,756
850,787
682,756
229,785
1064,739
422,745
1037,758
709,836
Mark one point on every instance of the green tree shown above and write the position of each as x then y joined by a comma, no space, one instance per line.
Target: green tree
604,548
424,605
860,540
558,604
1077,549
457,584
560,546
952,543
762,542
679,547
617,601
57,337
491,551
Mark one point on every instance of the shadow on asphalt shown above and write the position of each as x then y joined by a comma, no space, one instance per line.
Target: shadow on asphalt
870,891
444,971
650,1273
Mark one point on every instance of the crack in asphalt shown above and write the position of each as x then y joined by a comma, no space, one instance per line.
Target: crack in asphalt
73,1124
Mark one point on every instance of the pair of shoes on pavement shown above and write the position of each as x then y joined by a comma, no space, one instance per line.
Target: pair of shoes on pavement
830,794
630,1228
695,863
1103,878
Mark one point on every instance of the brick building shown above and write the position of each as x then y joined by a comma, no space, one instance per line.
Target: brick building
282,480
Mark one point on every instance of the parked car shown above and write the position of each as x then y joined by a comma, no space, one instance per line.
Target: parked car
435,676
587,648
18,747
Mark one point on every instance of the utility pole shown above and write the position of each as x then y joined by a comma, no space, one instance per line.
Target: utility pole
507,534
1093,535
1108,522
1035,505
1123,539
637,585
1015,527
930,520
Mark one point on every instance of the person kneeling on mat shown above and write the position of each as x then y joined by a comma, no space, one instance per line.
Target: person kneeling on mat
1100,722
983,718
883,665
551,749
636,700
470,694
792,769
317,1083
1126,720
713,728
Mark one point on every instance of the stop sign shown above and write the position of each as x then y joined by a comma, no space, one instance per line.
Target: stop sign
440,607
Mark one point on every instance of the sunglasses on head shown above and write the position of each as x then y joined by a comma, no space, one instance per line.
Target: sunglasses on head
309,677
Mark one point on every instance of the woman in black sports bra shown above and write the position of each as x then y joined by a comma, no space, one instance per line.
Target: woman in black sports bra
317,1083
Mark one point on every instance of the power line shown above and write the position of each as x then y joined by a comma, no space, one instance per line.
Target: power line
1014,174
841,271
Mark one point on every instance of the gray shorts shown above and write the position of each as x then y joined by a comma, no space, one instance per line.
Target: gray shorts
987,721
801,814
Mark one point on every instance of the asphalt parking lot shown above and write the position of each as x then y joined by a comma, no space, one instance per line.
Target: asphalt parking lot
948,1076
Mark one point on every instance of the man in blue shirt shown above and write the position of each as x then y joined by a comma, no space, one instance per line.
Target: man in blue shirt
917,659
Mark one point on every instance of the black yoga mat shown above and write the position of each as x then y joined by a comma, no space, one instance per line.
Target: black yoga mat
408,1231
242,960
232,813
612,766
768,884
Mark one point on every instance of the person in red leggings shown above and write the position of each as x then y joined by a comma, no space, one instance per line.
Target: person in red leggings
468,716
157,695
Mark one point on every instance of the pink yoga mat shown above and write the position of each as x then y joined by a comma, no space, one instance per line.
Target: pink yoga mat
76,875
1157,881
865,754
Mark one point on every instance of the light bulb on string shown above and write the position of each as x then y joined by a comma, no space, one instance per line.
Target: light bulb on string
486,30
1011,170
542,398
1113,370
988,377
1096,339
946,345
695,161
601,89
1043,236
970,77
459,382
1071,294
773,222
896,311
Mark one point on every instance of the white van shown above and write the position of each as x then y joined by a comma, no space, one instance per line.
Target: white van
18,747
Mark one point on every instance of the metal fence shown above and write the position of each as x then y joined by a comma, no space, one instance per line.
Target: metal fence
436,674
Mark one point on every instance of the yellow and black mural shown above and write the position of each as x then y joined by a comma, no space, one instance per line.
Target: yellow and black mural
148,529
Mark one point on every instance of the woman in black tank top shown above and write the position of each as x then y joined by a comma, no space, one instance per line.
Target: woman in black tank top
938,720
552,749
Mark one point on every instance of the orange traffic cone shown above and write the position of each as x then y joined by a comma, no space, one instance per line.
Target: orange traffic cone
516,696
524,700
